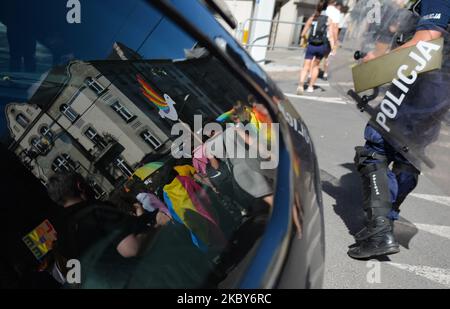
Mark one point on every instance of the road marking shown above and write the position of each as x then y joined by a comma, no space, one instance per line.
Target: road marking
445,132
320,99
327,84
280,68
439,199
439,275
439,230
442,144
322,84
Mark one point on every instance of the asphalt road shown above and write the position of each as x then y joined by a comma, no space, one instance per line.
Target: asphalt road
424,228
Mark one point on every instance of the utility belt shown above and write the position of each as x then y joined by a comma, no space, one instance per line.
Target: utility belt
362,154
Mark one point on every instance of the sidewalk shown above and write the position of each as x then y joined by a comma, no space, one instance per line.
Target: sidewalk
284,64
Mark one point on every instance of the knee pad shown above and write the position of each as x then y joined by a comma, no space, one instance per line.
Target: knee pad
407,169
407,178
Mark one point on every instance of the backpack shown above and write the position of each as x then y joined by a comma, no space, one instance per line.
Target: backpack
318,33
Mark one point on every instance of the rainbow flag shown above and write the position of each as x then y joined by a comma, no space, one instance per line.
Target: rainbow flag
151,94
256,119
225,116
189,205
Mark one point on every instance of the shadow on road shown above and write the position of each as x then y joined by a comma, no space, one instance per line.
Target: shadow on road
346,192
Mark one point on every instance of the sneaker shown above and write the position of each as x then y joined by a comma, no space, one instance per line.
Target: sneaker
310,90
300,90
325,76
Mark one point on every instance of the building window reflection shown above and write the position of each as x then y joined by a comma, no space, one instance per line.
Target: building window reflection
63,163
69,113
95,138
123,166
22,120
94,85
98,190
150,139
46,132
38,145
122,111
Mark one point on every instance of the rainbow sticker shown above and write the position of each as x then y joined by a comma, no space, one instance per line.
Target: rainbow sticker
152,95
40,240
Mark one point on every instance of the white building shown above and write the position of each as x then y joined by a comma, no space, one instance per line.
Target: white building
90,127
283,29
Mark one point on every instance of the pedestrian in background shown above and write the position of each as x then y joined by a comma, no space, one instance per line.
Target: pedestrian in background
318,46
333,11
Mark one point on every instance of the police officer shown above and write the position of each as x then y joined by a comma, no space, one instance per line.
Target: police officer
385,189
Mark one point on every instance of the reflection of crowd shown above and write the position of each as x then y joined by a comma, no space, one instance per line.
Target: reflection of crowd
213,208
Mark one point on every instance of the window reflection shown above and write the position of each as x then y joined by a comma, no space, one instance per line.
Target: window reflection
106,125
63,163
94,85
22,120
46,132
69,113
122,111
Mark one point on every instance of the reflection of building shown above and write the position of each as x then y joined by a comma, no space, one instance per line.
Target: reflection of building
89,126
93,117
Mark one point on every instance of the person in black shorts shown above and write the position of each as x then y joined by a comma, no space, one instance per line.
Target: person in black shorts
318,46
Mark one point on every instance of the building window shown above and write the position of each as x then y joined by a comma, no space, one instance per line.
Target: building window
95,138
70,114
99,192
22,120
123,112
38,145
121,164
46,132
94,85
150,139
63,163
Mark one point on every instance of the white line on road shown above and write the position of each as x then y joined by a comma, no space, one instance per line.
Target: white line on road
322,84
439,275
443,200
281,69
442,144
439,230
320,99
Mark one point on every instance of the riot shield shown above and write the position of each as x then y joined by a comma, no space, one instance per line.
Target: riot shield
402,88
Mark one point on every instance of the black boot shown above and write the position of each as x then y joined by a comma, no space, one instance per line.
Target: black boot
377,239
